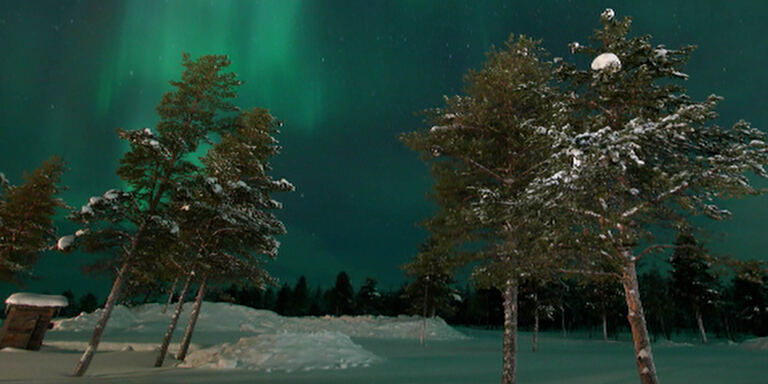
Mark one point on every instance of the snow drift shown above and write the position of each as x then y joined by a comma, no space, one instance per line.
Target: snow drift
284,351
225,317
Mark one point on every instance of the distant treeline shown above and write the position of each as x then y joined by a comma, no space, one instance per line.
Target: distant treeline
737,308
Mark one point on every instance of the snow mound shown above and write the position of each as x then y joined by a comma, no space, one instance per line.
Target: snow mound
284,351
225,317
758,344
608,61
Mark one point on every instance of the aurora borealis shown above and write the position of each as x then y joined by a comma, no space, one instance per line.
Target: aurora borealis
345,77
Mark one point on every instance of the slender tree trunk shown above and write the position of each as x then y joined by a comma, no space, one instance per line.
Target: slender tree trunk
727,327
171,292
562,320
605,326
700,324
643,355
664,329
172,324
535,330
184,346
98,331
423,330
509,344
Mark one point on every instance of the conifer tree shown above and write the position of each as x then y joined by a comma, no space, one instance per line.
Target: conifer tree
637,152
483,153
693,282
300,297
225,211
341,297
430,291
135,224
26,225
368,298
656,296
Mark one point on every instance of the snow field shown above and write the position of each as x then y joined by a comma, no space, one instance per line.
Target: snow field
284,351
279,343
226,317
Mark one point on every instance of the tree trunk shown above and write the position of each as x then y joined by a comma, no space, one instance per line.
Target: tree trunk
643,355
171,292
172,324
423,329
535,329
184,346
700,323
605,326
562,320
727,327
664,328
509,344
98,331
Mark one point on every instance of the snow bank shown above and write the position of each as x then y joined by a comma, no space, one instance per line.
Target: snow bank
36,300
284,351
225,317
759,344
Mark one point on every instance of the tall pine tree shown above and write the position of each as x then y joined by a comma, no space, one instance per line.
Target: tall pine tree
26,218
639,152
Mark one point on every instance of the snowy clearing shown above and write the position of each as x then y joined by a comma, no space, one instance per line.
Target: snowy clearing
574,360
284,351
225,317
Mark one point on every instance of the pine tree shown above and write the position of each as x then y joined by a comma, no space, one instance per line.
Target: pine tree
657,302
693,282
750,296
340,297
26,211
136,223
638,151
300,297
225,210
430,291
483,153
368,298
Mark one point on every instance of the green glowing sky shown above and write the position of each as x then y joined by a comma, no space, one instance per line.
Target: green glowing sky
346,77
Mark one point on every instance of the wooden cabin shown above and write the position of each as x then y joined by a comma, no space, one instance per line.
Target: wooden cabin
28,316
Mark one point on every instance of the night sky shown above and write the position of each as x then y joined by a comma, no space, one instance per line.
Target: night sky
345,77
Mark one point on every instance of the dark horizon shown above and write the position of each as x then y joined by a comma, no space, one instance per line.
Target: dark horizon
345,78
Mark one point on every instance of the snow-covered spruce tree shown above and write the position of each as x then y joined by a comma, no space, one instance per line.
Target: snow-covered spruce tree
483,153
430,291
225,210
26,211
637,152
136,222
694,283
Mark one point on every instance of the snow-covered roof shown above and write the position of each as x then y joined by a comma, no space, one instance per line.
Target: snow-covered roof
36,300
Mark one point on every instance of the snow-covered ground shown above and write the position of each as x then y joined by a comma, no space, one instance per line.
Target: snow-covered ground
232,336
273,349
225,317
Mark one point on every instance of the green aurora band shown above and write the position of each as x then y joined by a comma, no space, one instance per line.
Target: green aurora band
346,77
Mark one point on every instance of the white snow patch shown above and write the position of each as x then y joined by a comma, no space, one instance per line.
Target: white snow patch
36,300
758,343
606,61
608,14
65,242
284,351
